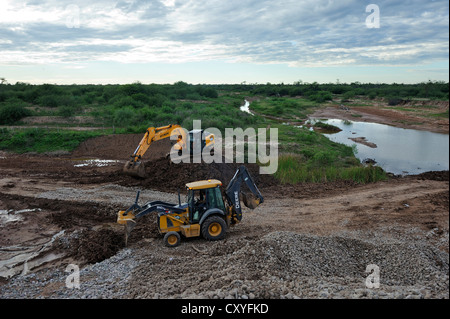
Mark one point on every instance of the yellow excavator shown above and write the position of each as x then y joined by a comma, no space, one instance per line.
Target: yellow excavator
208,212
135,167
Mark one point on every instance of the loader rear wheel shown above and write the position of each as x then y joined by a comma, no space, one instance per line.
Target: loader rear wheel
214,228
172,239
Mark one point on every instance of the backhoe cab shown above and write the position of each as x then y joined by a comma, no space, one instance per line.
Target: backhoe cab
208,211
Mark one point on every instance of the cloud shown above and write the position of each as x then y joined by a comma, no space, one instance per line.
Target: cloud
297,33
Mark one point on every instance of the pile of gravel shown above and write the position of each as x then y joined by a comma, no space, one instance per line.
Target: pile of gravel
277,265
105,279
400,263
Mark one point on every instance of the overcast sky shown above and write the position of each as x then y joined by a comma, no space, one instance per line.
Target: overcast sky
224,41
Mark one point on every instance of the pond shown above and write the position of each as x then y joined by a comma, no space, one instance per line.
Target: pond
397,150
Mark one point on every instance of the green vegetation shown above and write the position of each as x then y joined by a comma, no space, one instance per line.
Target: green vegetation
292,169
326,127
306,156
42,140
320,93
11,113
284,107
133,106
443,114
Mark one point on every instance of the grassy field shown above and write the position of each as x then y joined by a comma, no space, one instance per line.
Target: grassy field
305,155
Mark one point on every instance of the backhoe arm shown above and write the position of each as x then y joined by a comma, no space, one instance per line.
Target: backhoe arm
234,190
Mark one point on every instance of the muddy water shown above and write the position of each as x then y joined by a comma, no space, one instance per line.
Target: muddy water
398,150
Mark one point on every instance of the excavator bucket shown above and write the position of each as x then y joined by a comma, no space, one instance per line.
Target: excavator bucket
136,169
250,200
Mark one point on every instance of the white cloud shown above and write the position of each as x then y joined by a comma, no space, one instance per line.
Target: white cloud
296,33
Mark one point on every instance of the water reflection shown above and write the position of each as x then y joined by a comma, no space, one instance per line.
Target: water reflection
399,151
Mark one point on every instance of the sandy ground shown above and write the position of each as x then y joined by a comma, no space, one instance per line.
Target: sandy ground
304,241
409,114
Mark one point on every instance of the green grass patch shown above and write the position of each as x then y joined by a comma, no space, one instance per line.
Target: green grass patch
283,107
443,114
43,140
292,169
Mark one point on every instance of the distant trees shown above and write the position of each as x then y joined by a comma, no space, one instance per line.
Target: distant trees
323,92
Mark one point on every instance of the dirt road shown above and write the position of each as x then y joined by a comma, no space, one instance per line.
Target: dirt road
304,241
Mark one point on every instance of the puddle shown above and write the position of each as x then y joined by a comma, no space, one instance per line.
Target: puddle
11,215
398,151
7,216
96,163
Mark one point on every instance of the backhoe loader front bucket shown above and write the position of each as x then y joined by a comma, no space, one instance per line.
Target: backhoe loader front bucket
128,222
133,168
250,200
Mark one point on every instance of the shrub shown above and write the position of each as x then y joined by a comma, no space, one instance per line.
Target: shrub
125,101
66,111
394,101
320,96
47,100
10,113
124,116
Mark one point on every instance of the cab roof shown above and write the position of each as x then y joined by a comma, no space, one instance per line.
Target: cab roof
210,183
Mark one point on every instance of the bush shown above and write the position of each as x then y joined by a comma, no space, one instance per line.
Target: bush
394,101
320,96
47,100
10,114
124,117
125,101
349,95
66,111
141,97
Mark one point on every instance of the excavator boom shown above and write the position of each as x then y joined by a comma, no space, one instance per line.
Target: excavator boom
135,167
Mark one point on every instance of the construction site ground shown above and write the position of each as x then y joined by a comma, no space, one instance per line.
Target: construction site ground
323,240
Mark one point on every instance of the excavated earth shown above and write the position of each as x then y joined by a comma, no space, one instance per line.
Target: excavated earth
58,211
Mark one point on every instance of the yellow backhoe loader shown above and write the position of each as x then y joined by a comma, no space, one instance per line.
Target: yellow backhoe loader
207,212
135,167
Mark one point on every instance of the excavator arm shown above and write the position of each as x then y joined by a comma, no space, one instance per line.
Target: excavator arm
135,167
233,192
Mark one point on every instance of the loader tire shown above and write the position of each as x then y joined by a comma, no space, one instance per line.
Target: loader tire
214,228
172,239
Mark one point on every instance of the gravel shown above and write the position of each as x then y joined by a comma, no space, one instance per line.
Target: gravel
282,265
111,194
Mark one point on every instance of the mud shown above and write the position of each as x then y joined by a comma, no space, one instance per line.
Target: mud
92,246
420,117
68,215
364,141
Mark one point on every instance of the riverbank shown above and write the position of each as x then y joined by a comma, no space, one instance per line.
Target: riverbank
423,115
